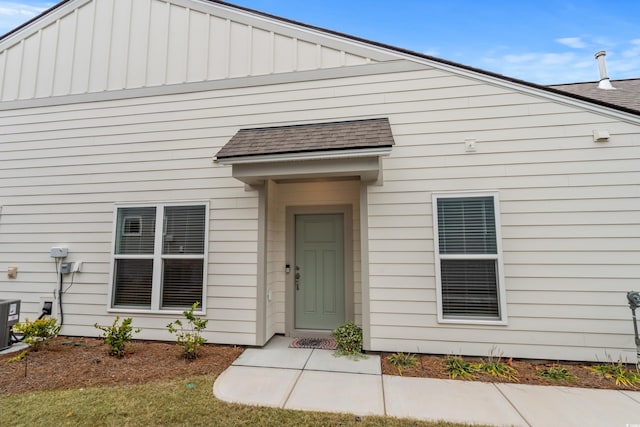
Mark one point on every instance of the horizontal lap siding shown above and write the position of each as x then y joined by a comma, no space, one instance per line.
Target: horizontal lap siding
63,167
569,207
570,213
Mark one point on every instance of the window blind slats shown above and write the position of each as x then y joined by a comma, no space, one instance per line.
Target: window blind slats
135,230
468,283
184,230
181,282
469,288
133,279
466,225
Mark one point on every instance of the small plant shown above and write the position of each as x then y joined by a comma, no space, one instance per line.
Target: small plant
19,356
499,369
402,360
555,373
456,366
189,336
38,331
496,367
348,339
618,372
117,336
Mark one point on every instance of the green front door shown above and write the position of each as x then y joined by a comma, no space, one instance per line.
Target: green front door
319,271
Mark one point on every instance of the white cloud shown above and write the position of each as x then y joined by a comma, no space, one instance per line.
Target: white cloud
13,14
572,42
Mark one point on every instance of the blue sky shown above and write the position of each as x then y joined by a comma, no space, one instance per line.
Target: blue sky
540,41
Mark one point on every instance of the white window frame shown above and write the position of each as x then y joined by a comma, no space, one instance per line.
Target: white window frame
501,293
158,257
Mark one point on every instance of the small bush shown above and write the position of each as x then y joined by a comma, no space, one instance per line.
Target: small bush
618,372
456,366
555,373
188,336
38,331
348,339
402,360
117,337
496,367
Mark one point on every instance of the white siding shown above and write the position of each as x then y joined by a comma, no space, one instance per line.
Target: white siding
570,210
125,44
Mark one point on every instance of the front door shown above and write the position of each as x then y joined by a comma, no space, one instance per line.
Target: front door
319,271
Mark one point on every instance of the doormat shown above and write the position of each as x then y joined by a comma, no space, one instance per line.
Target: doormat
319,343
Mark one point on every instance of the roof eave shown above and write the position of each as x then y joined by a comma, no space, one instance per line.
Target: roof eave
305,155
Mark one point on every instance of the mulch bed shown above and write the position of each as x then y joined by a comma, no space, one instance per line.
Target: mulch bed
434,367
71,362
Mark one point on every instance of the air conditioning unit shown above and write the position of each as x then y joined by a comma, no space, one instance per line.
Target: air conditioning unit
9,316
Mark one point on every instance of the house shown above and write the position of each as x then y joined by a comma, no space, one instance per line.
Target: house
160,152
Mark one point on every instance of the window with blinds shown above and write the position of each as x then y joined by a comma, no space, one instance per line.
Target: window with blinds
468,257
159,256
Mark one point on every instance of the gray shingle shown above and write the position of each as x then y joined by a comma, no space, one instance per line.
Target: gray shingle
355,134
626,94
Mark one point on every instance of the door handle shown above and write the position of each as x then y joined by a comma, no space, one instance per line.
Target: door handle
297,278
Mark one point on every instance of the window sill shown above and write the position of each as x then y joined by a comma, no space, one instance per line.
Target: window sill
488,322
200,312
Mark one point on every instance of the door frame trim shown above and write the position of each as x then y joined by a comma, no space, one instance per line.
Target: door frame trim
292,211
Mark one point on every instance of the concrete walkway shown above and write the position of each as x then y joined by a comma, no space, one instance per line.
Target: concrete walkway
315,380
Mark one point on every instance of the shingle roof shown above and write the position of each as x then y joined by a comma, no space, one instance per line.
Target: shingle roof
626,94
347,135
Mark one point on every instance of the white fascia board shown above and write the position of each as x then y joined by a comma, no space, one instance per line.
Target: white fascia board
318,155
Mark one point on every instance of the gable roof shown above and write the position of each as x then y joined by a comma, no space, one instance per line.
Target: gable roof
626,93
385,53
315,137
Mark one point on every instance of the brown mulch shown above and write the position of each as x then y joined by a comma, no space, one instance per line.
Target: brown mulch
429,366
72,362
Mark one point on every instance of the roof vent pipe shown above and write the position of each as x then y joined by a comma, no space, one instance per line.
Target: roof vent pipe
604,82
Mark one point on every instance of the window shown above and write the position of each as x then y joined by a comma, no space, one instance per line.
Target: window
469,274
159,256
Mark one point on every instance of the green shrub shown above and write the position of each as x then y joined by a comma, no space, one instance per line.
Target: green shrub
456,366
402,360
499,369
618,372
38,331
188,336
496,367
555,373
117,337
348,339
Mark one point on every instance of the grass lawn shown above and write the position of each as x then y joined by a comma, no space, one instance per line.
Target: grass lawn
187,402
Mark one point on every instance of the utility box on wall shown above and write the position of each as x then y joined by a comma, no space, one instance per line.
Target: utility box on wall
9,316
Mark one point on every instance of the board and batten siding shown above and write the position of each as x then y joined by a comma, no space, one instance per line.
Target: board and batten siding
124,44
570,208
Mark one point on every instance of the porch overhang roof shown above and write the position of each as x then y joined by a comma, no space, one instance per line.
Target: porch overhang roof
318,150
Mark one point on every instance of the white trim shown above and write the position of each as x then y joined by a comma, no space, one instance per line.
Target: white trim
311,155
502,298
219,84
157,257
